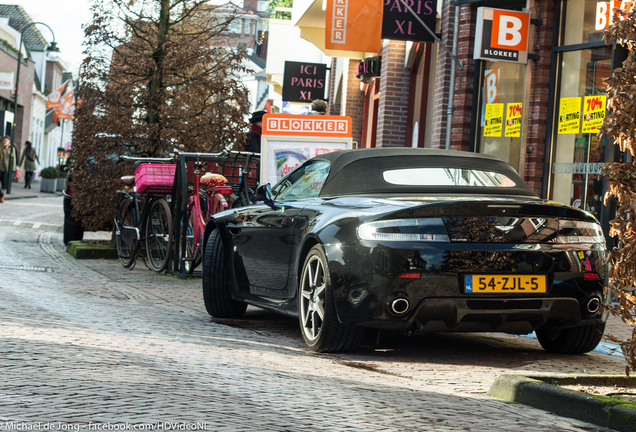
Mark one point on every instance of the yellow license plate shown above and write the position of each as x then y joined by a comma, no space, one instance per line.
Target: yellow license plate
505,284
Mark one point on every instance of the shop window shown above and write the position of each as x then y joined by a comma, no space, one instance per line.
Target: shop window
585,21
235,25
578,153
501,120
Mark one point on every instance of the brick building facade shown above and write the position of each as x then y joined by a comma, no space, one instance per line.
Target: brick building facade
407,102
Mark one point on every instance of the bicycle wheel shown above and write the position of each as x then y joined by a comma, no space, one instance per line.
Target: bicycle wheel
192,252
159,235
125,218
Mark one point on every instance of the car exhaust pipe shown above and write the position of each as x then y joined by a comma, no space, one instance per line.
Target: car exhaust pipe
400,306
594,305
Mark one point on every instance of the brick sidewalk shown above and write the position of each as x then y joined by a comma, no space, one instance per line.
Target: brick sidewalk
18,191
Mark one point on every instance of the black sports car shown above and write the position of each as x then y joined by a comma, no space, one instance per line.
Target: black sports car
411,240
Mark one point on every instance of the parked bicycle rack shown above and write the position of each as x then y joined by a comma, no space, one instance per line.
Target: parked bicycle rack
241,171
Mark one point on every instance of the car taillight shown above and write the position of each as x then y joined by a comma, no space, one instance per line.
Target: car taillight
423,229
579,232
69,191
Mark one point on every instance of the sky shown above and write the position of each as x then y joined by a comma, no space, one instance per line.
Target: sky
65,17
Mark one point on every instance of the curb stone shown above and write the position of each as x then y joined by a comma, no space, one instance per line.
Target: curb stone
536,392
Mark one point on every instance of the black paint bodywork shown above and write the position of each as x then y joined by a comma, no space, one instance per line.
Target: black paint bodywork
266,246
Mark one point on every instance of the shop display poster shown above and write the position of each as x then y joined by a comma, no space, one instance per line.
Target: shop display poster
494,120
570,115
513,120
283,156
593,113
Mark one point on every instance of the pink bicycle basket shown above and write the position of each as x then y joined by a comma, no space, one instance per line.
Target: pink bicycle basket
155,179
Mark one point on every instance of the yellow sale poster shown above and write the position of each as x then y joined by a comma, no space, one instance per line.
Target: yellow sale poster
513,120
593,113
493,120
570,115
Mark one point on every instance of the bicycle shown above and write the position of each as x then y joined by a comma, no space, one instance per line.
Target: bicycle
242,174
201,206
155,221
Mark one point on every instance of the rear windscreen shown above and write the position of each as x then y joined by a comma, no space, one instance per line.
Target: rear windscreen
430,176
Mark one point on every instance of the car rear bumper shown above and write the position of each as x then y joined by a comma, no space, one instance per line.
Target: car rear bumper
519,315
367,282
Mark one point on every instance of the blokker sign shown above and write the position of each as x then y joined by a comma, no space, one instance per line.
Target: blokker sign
605,12
502,35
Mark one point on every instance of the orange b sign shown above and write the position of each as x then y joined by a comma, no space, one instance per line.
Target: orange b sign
510,30
502,34
354,25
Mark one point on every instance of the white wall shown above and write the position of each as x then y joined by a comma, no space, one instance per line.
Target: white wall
36,135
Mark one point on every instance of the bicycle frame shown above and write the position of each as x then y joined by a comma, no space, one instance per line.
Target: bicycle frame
214,202
132,234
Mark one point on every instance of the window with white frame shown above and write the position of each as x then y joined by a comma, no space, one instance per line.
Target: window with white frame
235,25
248,28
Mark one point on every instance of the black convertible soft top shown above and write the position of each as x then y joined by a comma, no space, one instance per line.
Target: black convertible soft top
361,171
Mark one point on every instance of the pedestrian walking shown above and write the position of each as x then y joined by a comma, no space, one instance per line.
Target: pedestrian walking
29,156
8,163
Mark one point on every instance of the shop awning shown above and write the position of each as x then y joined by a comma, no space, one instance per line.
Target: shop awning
309,16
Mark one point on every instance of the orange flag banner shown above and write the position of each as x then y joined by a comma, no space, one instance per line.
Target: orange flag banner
66,110
53,100
354,25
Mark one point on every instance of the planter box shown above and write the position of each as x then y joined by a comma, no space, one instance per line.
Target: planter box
47,185
59,184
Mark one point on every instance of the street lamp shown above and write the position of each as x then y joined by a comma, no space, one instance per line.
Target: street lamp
51,48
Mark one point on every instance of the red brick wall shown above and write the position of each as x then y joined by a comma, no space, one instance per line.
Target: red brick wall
464,80
442,77
538,103
394,96
352,103
8,63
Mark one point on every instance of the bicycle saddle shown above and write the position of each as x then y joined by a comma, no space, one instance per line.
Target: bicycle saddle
128,180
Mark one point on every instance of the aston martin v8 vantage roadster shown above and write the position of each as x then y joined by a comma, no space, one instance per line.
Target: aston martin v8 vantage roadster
410,240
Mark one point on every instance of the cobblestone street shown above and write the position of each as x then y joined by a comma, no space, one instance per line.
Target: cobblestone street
87,343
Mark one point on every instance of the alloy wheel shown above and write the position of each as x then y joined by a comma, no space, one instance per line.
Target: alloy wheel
312,298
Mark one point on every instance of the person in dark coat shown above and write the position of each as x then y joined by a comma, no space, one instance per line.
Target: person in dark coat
253,141
29,156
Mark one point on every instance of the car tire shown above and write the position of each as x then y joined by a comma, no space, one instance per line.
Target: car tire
216,290
574,340
319,323
72,232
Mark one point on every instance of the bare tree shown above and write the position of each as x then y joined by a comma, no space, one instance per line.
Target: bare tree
619,127
156,73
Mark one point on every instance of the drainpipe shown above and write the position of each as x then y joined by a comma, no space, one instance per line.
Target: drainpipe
451,91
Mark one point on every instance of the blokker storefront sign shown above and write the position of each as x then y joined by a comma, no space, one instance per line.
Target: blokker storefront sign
502,35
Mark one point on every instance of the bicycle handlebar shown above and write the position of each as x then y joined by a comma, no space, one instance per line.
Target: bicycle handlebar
145,159
219,154
244,153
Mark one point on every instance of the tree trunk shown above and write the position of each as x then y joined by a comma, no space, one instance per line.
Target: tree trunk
155,88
